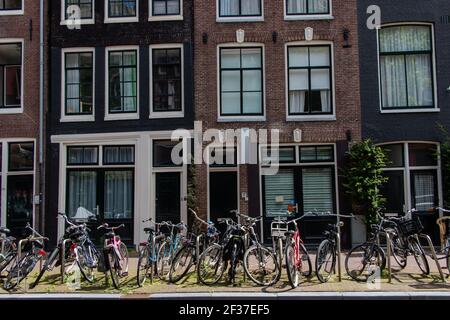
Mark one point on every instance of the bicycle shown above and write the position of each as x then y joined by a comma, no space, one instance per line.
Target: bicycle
327,252
260,263
446,236
8,248
115,253
81,252
169,248
24,264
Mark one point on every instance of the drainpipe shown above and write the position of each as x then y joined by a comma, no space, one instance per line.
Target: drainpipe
41,117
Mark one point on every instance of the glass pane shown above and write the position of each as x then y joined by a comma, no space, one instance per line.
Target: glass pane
19,204
82,194
159,7
420,82
320,79
162,153
118,155
392,191
82,155
279,192
231,81
298,57
297,6
325,153
252,102
10,53
393,81
21,156
421,154
231,103
318,6
1,157
317,190
119,194
251,80
229,8
278,155
251,58
319,56
230,58
394,153
298,79
308,154
173,6
13,75
250,7
11,5
405,38
424,191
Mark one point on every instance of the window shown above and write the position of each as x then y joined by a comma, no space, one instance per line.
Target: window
121,11
421,154
78,9
115,155
78,83
309,80
122,81
82,155
316,154
241,81
10,75
162,153
167,79
406,64
21,156
10,5
307,7
165,7
277,155
239,8
394,154
223,157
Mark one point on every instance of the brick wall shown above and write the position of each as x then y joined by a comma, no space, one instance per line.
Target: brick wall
346,73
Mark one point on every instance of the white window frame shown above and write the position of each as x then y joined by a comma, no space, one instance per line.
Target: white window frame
240,18
241,118
21,107
434,74
76,118
169,114
65,22
315,16
120,19
13,12
318,117
5,173
125,116
171,17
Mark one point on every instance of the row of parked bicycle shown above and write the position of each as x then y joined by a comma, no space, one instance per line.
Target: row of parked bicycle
172,252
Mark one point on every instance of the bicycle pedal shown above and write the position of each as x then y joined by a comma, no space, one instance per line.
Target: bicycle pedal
124,274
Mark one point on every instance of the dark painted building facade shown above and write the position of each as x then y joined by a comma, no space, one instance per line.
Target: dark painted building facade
405,97
121,81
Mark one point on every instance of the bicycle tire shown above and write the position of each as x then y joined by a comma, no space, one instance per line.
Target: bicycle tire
269,258
372,255
187,252
113,268
7,260
306,261
163,260
86,271
294,275
400,255
419,255
143,265
48,262
24,266
326,248
216,264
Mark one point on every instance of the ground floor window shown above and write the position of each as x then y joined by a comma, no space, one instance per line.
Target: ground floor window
17,185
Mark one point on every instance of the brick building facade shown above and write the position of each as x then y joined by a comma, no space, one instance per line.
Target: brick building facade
326,124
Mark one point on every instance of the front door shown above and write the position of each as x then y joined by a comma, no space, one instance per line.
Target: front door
223,195
168,197
19,204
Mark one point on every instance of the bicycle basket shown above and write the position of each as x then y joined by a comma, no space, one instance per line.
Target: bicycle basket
410,227
278,229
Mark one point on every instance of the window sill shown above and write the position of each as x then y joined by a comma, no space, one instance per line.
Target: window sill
163,115
241,119
124,116
71,23
78,118
308,17
11,13
307,118
421,110
11,110
240,19
121,20
166,18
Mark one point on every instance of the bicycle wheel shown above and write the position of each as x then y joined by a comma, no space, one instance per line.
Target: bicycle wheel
210,267
114,268
293,271
21,270
364,261
261,266
306,261
143,265
49,264
82,259
163,260
447,251
400,255
325,260
182,263
419,255
7,259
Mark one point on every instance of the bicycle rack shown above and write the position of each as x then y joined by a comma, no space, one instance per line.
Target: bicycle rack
339,254
433,253
63,258
389,253
19,257
197,251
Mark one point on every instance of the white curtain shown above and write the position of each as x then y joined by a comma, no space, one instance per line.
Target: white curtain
229,7
393,81
250,7
296,6
82,191
72,81
318,6
405,38
118,194
420,86
424,191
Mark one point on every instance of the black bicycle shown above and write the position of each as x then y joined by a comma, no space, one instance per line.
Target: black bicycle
8,248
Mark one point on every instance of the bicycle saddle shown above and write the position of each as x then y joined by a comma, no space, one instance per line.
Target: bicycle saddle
149,230
109,235
4,230
288,233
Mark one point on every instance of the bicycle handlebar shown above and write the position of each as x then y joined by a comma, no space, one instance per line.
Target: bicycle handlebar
107,227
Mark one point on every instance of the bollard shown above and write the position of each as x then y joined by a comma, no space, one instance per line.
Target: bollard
197,252
338,236
389,253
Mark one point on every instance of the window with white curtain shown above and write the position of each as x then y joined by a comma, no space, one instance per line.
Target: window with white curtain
85,9
239,8
406,67
307,7
309,78
241,81
78,82
122,8
166,7
122,77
